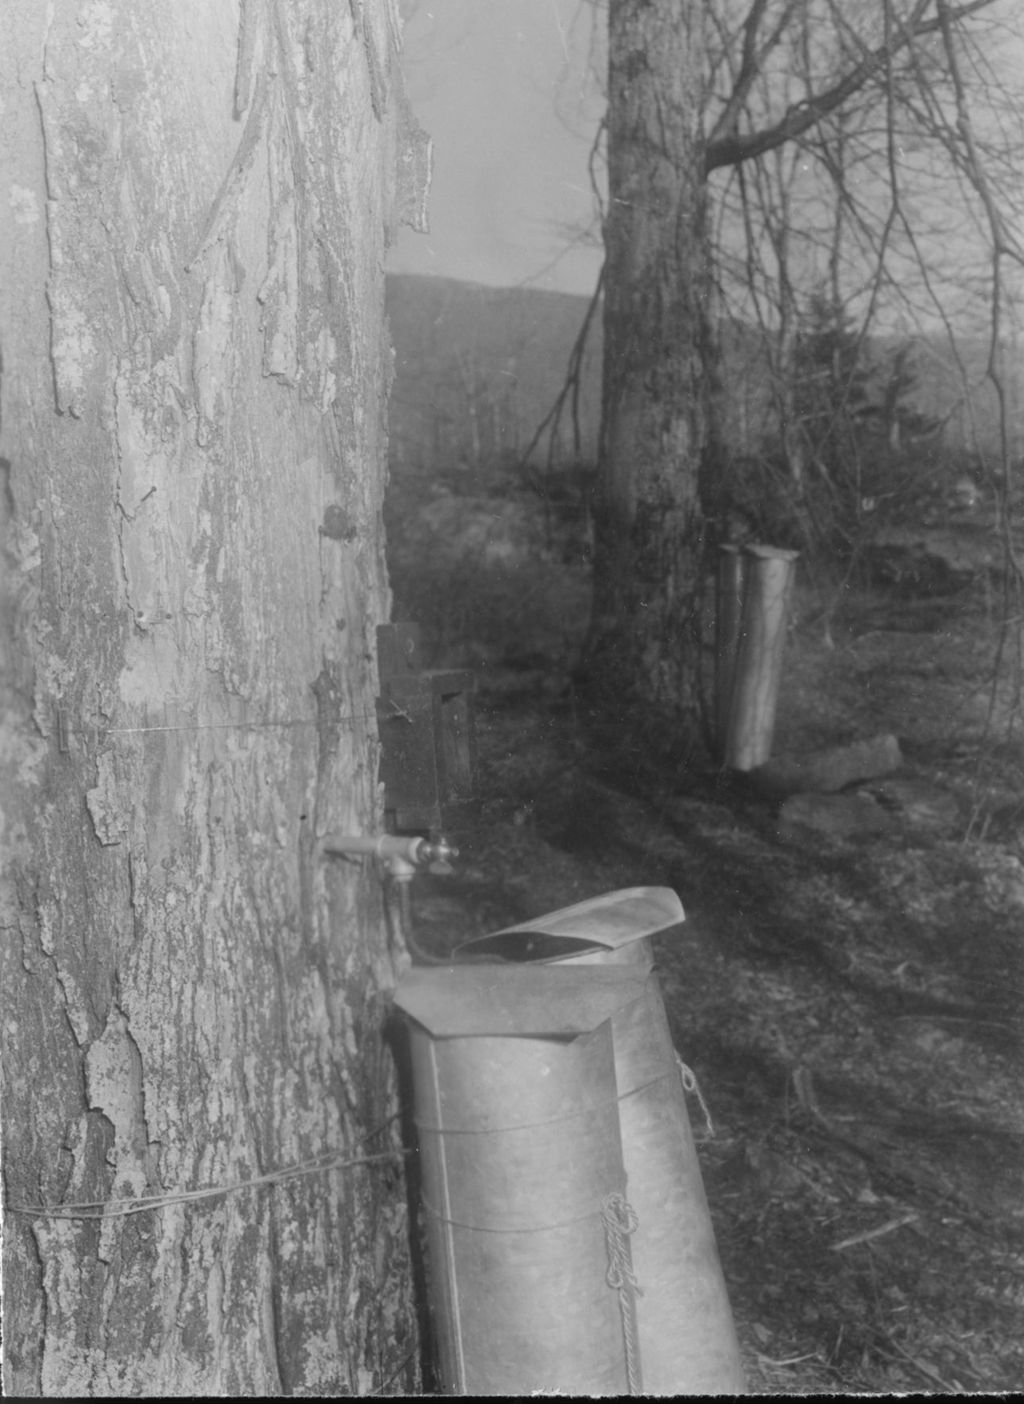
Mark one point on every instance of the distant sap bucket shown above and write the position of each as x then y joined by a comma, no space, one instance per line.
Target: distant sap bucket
754,592
687,1339
518,1119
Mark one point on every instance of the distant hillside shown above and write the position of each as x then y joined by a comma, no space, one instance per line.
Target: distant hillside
477,369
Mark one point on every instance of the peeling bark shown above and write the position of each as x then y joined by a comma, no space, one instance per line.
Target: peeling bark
195,373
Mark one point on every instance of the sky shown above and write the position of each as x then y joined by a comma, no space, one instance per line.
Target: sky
503,88
509,93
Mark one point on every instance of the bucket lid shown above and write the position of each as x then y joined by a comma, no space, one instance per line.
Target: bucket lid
607,922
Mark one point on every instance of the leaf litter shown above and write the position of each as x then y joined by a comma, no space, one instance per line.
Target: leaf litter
851,1008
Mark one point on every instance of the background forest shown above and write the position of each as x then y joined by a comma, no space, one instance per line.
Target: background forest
841,184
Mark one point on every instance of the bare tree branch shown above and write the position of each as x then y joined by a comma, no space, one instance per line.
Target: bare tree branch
802,116
752,63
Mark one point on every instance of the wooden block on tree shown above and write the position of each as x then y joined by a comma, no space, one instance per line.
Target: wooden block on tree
830,770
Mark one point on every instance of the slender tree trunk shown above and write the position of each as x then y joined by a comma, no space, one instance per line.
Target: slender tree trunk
655,394
194,362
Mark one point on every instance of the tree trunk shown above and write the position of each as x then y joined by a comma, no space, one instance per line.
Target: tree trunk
195,375
655,396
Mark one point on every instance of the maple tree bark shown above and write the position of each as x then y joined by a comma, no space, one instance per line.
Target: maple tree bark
655,387
195,371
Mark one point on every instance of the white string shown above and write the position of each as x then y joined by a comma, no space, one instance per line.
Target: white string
690,1084
120,1208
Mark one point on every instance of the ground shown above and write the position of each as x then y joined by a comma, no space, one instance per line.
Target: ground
848,995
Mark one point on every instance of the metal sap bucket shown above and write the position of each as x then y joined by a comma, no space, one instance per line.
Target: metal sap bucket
687,1338
518,1121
